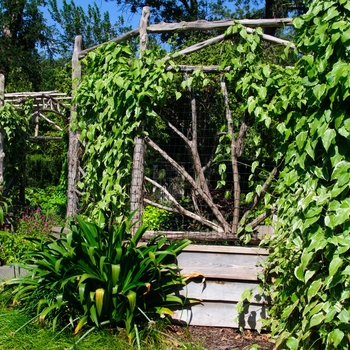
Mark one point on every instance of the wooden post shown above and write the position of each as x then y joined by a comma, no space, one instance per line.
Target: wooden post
36,132
143,29
2,153
137,177
73,159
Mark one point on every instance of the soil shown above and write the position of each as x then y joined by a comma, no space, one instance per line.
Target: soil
213,338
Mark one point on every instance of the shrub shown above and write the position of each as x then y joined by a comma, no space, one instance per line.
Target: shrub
35,224
157,219
50,199
98,276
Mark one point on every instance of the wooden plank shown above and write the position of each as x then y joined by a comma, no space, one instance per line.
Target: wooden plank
226,249
259,233
221,314
225,291
7,272
225,266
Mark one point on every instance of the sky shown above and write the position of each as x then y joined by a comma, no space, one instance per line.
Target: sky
110,6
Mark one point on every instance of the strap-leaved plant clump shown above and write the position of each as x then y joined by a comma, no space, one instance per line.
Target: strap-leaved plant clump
309,263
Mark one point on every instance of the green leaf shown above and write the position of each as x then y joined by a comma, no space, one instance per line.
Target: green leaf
289,309
115,273
82,287
132,300
340,170
335,265
331,13
313,289
319,90
345,36
330,314
316,319
292,343
298,22
328,137
251,104
222,168
301,138
102,264
344,316
93,315
336,335
299,273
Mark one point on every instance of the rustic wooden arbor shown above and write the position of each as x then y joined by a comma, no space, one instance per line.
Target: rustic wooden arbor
222,229
43,102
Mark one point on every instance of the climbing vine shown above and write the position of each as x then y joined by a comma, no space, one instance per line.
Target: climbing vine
14,125
118,92
309,263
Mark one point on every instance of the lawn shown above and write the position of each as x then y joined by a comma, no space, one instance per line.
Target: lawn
17,332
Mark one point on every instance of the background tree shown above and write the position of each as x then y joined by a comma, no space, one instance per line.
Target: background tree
176,11
94,27
192,10
24,32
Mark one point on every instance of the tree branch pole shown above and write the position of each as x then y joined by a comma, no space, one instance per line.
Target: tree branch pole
223,37
199,173
236,151
192,182
137,177
2,153
163,27
38,114
73,159
180,209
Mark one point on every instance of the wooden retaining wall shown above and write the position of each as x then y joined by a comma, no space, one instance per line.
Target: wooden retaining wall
224,273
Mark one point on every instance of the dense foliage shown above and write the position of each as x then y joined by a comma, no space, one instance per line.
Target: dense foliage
15,125
126,89
100,276
309,261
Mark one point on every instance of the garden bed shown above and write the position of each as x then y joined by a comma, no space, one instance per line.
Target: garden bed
217,338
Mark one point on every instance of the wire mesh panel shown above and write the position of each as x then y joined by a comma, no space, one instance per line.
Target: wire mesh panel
188,169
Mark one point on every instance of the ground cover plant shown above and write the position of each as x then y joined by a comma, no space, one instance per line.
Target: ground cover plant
32,223
100,276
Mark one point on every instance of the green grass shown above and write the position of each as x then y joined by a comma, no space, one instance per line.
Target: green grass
34,336
18,333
